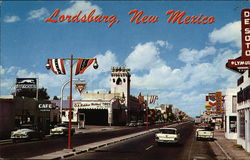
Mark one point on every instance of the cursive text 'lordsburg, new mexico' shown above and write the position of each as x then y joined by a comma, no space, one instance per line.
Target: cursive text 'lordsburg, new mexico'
84,18
137,17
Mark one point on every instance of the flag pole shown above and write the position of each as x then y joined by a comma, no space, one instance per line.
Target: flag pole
70,103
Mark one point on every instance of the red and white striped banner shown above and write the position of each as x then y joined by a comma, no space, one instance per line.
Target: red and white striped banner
82,65
57,66
153,98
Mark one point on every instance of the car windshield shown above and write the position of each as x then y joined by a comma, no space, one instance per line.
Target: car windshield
61,125
28,126
168,131
205,127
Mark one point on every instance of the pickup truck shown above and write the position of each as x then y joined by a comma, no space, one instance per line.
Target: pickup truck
204,132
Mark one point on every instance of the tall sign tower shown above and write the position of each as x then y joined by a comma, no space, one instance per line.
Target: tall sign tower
120,82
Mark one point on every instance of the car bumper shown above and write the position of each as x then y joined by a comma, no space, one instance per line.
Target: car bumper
56,133
205,137
166,141
19,137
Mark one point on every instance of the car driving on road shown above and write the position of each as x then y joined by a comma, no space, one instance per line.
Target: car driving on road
167,135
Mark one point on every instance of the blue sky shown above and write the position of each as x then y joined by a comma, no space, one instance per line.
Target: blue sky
179,62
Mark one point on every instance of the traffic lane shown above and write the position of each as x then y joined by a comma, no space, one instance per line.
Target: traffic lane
141,148
129,149
53,144
202,149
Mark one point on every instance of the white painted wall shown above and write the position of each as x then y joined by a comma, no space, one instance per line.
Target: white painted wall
228,106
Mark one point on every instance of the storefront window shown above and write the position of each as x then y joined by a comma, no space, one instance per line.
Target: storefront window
234,104
232,124
242,124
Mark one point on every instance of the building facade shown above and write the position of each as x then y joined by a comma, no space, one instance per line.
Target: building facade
117,107
230,106
17,111
243,111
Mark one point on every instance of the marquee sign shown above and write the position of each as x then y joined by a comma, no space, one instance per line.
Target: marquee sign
241,64
86,104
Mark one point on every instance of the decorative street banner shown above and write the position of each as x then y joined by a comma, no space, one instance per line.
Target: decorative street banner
57,66
80,87
82,65
153,99
241,64
141,98
23,83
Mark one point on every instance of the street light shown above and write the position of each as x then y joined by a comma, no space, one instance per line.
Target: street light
57,66
62,88
95,65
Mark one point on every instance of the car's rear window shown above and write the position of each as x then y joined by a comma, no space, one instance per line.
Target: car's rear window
168,131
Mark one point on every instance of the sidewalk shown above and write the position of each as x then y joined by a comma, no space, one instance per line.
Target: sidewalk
227,149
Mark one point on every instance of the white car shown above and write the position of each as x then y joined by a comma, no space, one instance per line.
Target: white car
167,135
27,132
61,129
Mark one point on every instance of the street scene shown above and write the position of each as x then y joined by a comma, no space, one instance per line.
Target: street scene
134,80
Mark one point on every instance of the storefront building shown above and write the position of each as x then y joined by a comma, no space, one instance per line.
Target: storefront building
230,106
17,111
243,111
117,107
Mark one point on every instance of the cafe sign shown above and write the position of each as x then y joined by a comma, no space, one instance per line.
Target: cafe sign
46,107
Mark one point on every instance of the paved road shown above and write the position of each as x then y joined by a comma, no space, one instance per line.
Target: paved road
53,144
145,148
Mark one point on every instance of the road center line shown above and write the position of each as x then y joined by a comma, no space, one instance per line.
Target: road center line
149,147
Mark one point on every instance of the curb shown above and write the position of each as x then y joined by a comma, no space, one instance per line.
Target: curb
227,156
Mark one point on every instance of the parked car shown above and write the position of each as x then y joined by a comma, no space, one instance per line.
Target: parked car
26,132
61,129
167,135
132,124
204,131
